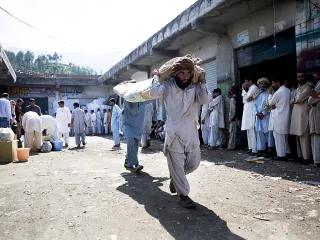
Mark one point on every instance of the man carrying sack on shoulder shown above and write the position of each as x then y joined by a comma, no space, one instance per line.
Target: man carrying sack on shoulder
183,92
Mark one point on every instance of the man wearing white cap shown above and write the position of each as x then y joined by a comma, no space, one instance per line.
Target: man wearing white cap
262,112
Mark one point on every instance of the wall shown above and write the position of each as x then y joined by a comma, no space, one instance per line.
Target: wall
205,49
260,24
308,35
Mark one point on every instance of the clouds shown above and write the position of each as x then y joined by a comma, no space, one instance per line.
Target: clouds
82,27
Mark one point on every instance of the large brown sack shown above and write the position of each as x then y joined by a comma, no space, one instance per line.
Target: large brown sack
174,65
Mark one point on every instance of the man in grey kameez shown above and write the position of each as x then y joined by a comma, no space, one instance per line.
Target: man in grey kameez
78,123
314,121
182,99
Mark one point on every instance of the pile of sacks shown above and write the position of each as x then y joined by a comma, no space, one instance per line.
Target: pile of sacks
133,91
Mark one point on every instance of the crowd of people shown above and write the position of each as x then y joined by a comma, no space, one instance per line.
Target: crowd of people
30,124
279,122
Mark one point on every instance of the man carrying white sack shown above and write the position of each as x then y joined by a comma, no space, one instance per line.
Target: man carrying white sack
115,123
50,124
63,117
31,124
183,98
147,124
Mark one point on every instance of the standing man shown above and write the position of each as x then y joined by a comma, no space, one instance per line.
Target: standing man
232,118
93,119
78,123
63,117
300,118
280,103
314,120
115,123
205,121
99,121
5,111
31,124
216,120
104,130
133,115
88,121
262,113
107,121
33,107
249,94
18,114
147,124
182,99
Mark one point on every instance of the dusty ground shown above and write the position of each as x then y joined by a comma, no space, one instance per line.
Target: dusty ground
87,194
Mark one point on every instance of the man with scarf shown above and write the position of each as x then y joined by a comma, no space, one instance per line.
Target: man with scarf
262,113
300,118
182,98
314,120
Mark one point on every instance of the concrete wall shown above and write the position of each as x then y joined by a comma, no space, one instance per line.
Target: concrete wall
225,61
259,25
205,49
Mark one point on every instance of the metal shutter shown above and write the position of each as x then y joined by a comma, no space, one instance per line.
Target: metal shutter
211,74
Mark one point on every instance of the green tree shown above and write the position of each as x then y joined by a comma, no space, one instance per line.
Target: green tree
20,60
28,60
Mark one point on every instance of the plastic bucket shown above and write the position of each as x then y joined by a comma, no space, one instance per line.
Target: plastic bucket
23,154
57,145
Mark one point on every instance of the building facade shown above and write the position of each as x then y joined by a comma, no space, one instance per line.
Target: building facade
236,39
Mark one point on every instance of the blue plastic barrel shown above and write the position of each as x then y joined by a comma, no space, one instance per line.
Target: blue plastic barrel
57,145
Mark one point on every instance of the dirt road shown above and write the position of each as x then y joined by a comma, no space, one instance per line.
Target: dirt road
87,194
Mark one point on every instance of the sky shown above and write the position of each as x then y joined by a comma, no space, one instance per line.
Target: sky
94,33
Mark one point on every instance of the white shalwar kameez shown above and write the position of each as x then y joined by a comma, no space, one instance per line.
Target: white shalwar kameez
99,122
182,145
115,123
31,124
248,116
50,124
93,119
63,117
205,120
280,124
216,123
87,118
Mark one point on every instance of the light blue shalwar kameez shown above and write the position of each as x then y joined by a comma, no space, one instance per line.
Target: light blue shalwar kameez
261,125
133,117
115,123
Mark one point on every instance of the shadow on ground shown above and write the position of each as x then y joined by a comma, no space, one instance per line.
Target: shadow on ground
180,223
286,170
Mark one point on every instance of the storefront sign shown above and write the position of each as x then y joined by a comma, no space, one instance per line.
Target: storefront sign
243,37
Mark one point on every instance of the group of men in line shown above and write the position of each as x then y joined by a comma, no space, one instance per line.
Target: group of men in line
272,115
30,122
98,123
